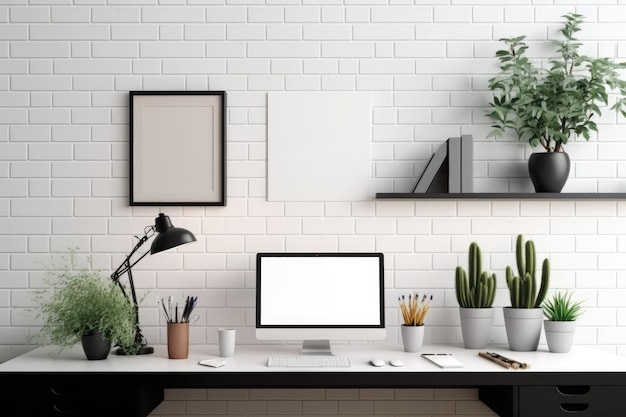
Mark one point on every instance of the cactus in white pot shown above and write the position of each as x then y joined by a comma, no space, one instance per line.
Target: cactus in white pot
523,318
475,293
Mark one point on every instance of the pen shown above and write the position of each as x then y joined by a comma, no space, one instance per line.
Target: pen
494,359
504,361
185,310
162,303
173,314
514,364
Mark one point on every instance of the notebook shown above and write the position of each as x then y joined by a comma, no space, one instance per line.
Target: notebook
443,360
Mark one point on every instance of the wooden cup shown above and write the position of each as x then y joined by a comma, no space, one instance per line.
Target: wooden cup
178,340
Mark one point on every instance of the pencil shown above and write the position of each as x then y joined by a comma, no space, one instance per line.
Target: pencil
405,315
494,359
412,306
413,309
515,364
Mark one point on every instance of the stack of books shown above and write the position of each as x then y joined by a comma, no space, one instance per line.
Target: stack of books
450,168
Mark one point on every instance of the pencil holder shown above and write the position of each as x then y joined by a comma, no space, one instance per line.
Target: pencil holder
178,340
412,337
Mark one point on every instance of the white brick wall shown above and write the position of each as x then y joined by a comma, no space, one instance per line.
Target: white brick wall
65,73
328,402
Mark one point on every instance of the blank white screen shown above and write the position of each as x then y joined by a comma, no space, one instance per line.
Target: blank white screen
320,291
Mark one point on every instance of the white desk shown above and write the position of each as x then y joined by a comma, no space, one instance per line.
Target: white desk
584,382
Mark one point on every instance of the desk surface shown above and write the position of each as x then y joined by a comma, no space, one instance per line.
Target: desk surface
138,382
252,359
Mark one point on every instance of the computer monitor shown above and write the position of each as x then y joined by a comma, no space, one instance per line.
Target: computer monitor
318,297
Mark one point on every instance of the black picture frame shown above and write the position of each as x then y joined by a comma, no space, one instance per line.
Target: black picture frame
177,148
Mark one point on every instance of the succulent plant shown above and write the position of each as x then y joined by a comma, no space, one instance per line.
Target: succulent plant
479,290
523,287
561,307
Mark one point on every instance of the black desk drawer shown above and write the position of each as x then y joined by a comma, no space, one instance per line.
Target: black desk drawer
572,401
81,399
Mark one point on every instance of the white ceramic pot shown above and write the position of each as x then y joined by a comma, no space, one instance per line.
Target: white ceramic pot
559,335
476,325
523,327
412,338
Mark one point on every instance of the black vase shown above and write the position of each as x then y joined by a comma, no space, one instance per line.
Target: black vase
548,171
95,346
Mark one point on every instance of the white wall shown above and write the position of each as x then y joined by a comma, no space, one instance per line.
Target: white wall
65,74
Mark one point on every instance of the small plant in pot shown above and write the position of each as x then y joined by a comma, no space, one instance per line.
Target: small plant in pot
82,305
475,293
561,313
549,106
523,318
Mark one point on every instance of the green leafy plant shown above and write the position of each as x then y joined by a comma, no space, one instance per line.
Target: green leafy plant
548,106
79,300
479,290
523,287
560,307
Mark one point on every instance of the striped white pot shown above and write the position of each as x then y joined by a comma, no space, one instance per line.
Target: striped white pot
559,335
476,325
523,327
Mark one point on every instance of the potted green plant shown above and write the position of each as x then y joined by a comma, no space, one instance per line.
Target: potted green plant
475,296
82,305
549,106
561,313
523,319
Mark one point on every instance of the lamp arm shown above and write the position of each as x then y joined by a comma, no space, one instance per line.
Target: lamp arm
126,265
125,268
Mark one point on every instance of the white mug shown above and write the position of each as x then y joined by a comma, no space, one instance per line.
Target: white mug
226,342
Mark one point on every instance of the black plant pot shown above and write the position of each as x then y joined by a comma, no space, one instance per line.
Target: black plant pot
548,171
95,346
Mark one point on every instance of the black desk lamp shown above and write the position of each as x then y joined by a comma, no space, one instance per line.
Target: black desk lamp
168,237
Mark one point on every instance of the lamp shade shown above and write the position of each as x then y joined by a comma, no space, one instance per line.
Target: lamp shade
169,236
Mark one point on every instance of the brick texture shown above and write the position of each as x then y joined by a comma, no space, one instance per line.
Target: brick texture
64,79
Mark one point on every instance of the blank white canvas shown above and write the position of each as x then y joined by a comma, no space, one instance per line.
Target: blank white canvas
318,146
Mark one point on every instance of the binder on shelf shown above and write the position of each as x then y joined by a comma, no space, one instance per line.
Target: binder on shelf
467,164
440,182
450,168
432,167
454,165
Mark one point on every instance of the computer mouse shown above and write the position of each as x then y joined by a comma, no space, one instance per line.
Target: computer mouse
396,362
377,362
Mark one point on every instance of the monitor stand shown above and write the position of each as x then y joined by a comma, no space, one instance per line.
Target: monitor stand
316,348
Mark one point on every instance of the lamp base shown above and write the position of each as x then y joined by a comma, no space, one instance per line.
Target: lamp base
144,350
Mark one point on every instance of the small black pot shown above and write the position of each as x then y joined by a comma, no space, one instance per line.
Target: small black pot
95,346
548,171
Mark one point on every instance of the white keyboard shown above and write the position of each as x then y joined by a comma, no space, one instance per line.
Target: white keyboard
309,362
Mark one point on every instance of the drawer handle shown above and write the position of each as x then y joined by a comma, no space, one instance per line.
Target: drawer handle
59,392
574,407
573,389
61,411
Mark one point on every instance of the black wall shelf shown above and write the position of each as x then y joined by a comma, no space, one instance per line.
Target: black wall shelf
501,196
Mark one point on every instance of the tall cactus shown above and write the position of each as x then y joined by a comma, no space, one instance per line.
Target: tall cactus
523,288
480,290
